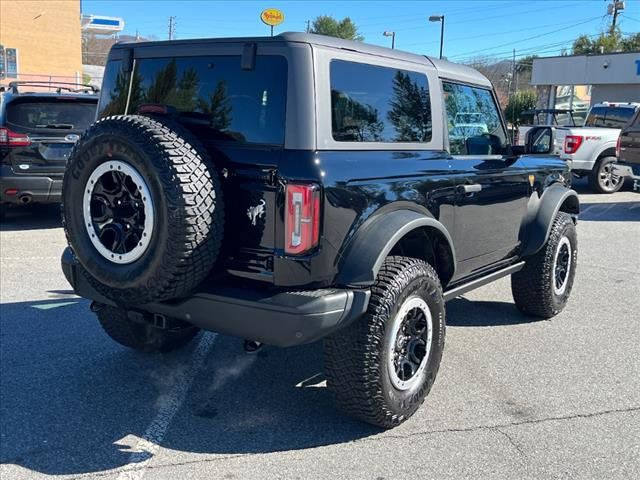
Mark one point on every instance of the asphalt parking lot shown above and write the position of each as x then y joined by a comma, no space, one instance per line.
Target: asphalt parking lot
515,397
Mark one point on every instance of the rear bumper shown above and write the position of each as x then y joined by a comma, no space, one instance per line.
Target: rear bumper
627,170
283,319
578,165
37,189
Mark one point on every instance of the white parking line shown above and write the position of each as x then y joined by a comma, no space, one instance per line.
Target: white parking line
147,446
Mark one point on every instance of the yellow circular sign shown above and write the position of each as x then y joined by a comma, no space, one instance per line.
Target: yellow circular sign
272,16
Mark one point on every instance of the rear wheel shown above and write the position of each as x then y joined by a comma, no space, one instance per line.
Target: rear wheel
142,336
381,367
602,179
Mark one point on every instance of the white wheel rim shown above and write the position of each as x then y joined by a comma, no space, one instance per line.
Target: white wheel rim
145,199
564,245
397,337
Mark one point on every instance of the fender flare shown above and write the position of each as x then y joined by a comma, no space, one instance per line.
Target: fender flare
543,212
374,240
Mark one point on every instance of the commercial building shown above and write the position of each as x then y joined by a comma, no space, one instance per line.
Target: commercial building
40,40
578,81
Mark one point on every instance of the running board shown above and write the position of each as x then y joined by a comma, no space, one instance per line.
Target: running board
480,282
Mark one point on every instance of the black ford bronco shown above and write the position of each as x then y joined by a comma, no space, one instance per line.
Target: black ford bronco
300,187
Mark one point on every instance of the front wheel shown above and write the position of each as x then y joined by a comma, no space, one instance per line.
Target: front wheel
602,179
381,367
543,286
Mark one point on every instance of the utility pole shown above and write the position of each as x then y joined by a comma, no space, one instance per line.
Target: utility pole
514,77
172,27
614,8
515,90
308,26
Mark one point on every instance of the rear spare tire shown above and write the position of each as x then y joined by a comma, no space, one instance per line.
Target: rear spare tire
142,209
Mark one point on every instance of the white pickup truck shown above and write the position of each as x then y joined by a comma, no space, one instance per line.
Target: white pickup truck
591,148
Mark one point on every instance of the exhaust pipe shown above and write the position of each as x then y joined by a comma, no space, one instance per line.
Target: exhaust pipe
25,199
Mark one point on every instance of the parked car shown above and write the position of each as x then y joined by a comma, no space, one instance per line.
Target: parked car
628,152
300,187
37,131
591,149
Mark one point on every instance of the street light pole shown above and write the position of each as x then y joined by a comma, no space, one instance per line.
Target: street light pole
439,18
393,38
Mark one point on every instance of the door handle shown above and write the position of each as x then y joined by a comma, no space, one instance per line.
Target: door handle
472,188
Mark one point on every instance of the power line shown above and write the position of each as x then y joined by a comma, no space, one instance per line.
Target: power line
524,39
502,32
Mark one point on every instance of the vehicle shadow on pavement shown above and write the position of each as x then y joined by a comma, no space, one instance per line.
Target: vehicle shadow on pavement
73,401
31,217
610,212
462,312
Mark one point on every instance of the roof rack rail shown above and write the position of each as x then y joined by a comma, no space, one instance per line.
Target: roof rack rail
58,86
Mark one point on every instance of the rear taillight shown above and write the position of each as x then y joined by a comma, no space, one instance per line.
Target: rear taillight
572,143
618,146
302,219
13,139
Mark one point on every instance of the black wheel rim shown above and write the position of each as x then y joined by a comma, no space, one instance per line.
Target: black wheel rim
411,343
562,266
118,212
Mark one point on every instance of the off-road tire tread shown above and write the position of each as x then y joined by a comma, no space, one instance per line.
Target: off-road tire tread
352,356
532,286
192,189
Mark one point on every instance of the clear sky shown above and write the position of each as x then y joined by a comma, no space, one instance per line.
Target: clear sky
472,28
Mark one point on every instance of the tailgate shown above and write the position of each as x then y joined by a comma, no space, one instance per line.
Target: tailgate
44,156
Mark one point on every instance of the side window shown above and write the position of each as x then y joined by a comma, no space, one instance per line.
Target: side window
113,94
216,97
473,121
378,104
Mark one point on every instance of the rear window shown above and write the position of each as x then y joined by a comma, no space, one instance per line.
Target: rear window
379,104
55,114
212,95
610,117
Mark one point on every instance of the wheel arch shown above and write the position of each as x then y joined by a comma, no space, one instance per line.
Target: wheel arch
402,232
609,151
556,198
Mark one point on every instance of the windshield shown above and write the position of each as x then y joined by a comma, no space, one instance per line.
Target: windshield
610,117
51,114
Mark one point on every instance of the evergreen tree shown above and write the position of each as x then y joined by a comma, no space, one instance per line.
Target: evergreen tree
410,110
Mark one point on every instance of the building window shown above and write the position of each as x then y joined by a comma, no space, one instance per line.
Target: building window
573,97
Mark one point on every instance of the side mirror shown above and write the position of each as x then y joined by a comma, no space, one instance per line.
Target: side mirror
539,140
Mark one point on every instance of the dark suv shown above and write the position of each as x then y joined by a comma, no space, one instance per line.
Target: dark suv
300,187
628,152
37,131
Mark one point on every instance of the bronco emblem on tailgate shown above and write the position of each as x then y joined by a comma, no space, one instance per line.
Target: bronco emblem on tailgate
256,212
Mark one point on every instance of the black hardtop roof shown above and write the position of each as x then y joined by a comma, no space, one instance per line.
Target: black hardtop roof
444,67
